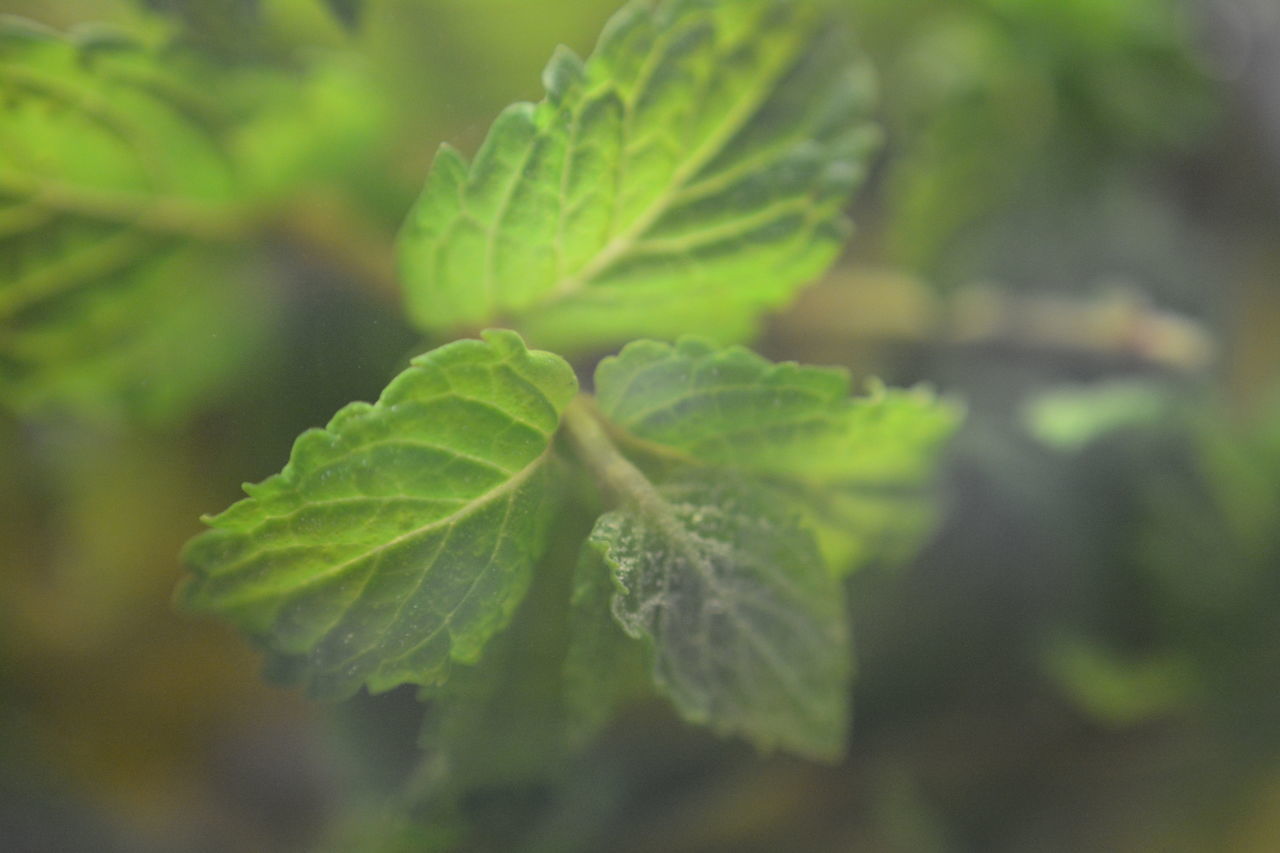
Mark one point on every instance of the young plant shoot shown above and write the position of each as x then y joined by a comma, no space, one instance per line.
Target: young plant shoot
687,177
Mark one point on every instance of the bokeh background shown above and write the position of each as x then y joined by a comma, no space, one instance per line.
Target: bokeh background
1073,225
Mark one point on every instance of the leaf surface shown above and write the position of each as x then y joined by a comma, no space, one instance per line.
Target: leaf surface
604,668
688,176
502,721
861,464
131,184
107,173
747,629
402,535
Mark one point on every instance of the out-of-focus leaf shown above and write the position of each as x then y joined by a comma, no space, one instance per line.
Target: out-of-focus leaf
992,98
1115,690
501,721
1070,418
688,176
604,668
132,185
113,192
746,627
313,126
861,464
402,535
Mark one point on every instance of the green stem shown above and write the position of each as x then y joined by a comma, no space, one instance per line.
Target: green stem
598,452
589,433
160,214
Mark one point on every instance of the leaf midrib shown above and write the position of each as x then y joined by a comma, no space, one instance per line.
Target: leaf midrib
622,242
475,505
164,214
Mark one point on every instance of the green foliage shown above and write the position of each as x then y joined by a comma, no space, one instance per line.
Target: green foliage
1201,542
346,11
401,536
277,144
604,669
1069,419
857,465
1116,690
131,180
112,187
746,627
503,719
688,175
691,171
198,232
997,99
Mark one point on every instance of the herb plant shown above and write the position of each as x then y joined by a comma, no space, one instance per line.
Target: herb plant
609,572
686,177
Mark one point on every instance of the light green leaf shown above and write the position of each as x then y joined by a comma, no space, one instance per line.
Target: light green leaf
861,464
1069,418
112,188
402,535
604,669
132,183
688,176
747,629
313,127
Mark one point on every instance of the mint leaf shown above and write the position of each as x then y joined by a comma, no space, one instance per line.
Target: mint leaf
604,668
689,175
860,464
721,405
112,188
502,721
131,181
747,628
314,127
402,535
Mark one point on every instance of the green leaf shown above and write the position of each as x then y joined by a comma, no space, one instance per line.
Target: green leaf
1115,689
502,722
688,176
746,627
604,669
311,127
402,535
861,464
131,184
112,188
1070,418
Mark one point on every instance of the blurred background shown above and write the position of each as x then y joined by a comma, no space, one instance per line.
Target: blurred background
1073,225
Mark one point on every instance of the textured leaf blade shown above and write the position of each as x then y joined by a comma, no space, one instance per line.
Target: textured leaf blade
402,535
688,175
747,629
861,464
718,404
